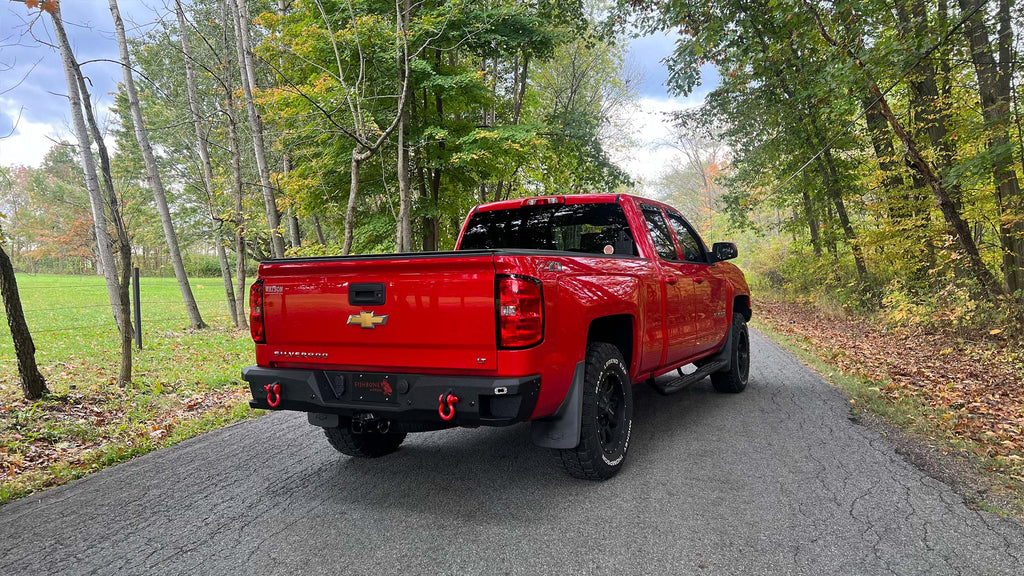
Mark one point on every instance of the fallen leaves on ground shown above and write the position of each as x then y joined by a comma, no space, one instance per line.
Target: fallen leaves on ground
69,430
976,383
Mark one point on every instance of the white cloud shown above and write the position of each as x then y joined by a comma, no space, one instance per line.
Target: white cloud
650,157
29,142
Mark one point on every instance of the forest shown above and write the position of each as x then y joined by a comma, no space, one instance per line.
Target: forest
874,147
864,153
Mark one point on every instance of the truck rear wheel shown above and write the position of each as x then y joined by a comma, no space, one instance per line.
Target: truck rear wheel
365,444
734,378
607,416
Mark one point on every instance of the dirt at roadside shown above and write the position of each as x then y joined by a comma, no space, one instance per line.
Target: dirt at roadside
975,384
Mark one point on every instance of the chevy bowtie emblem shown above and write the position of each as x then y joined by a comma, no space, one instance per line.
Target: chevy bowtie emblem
368,320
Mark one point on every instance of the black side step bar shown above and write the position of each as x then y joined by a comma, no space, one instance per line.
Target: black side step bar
685,380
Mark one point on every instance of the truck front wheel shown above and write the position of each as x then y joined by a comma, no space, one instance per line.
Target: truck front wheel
365,444
733,379
607,418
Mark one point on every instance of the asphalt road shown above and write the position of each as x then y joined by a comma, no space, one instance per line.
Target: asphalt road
776,480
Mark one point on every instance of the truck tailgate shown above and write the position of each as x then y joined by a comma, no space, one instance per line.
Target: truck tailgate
436,312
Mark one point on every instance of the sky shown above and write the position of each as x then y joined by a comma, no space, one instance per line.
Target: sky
34,107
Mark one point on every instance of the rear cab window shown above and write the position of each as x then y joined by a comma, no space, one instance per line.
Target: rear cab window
599,228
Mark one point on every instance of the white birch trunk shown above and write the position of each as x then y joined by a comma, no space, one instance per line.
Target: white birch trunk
156,184
248,77
204,157
99,215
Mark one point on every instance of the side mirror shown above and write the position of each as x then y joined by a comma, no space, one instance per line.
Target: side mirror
723,251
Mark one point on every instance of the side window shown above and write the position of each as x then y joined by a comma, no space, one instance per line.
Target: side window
659,232
688,240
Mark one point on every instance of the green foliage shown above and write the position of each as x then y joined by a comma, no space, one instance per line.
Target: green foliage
477,131
820,174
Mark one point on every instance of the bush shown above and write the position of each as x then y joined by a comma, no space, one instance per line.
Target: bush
201,265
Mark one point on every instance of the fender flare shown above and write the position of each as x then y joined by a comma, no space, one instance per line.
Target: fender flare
562,429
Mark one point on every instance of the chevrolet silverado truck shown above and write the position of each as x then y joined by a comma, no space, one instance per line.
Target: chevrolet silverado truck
549,310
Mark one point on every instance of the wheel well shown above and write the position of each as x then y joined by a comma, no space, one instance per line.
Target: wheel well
615,330
741,305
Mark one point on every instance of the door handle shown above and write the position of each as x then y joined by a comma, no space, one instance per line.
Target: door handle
671,279
698,279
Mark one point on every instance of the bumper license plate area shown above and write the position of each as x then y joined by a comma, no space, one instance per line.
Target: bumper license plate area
373,388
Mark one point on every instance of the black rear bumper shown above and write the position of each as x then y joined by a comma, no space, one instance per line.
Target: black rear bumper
413,397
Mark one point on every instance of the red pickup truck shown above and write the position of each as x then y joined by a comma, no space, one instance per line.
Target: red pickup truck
548,310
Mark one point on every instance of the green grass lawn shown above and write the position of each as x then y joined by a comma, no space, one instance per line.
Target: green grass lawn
185,381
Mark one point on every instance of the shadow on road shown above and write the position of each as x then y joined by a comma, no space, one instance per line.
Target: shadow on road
497,474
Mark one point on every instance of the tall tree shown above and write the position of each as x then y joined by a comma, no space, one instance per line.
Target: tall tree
104,243
247,73
203,147
33,385
235,147
78,96
994,83
156,185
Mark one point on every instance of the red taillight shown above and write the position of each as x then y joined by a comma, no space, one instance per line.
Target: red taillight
520,312
256,328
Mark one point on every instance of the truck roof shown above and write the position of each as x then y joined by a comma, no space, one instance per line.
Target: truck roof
568,198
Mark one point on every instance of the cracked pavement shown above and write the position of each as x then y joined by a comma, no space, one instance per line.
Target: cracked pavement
776,480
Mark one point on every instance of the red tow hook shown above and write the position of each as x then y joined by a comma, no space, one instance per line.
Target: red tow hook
452,399
273,394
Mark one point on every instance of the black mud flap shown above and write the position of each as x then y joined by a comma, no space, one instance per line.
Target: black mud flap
562,430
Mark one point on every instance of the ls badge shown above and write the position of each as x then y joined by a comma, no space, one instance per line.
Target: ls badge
368,320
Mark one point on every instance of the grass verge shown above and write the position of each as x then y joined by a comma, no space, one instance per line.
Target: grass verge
185,382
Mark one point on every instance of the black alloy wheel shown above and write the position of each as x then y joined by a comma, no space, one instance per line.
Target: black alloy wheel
610,412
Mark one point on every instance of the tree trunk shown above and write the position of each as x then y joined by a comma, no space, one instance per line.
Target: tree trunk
225,273
204,156
517,107
235,146
33,385
994,92
404,232
248,78
404,229
812,223
319,231
930,114
835,192
353,193
78,94
428,231
99,216
294,234
885,152
239,216
153,173
432,223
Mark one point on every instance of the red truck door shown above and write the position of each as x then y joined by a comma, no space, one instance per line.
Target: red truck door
710,291
677,289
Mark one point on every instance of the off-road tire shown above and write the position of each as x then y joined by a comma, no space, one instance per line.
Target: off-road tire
733,379
364,444
607,416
